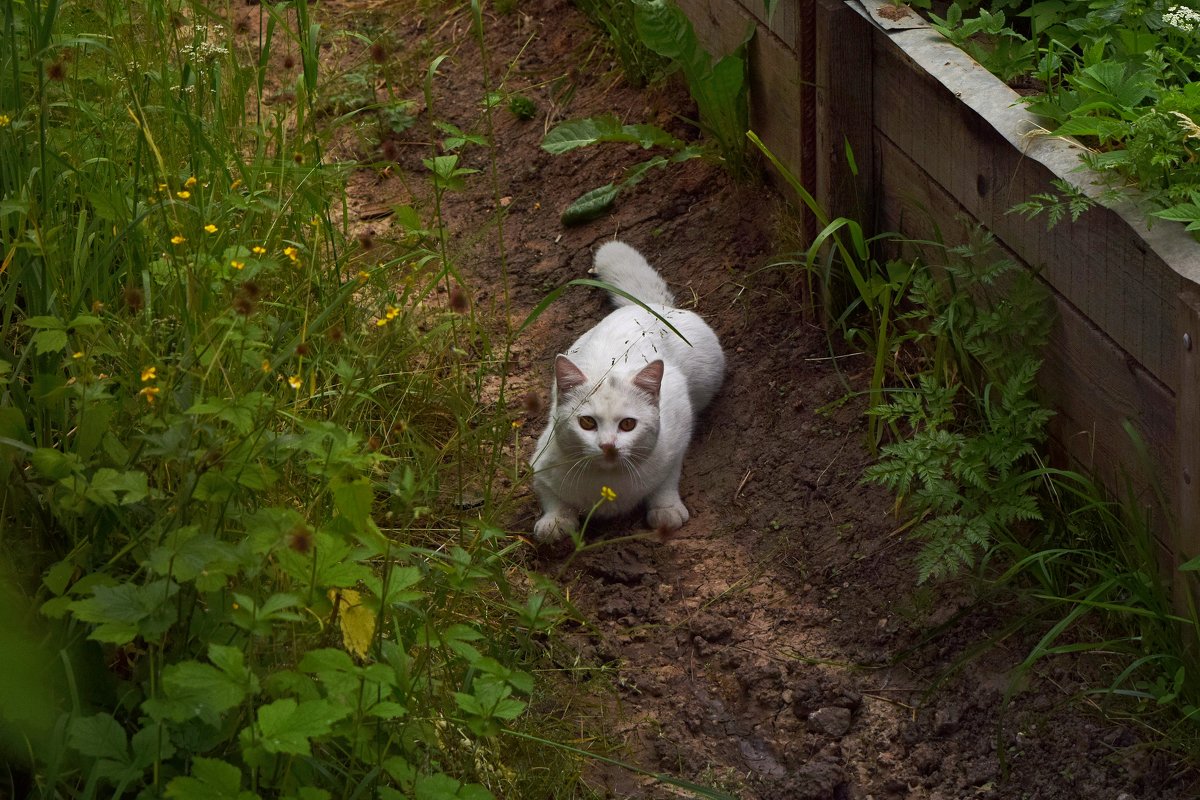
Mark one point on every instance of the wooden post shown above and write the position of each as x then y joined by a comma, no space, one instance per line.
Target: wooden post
844,111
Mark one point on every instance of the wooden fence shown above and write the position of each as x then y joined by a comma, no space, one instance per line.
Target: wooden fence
938,139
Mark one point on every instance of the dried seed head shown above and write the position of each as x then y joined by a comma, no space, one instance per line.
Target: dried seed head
300,539
378,53
303,349
390,150
532,401
241,26
366,239
458,300
251,290
134,299
56,71
336,334
244,305
374,443
289,62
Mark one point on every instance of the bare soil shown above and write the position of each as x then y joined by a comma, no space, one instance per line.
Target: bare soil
776,647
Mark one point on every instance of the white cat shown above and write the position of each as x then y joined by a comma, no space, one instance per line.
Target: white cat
623,403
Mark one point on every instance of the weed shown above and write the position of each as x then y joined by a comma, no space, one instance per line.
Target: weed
718,87
234,445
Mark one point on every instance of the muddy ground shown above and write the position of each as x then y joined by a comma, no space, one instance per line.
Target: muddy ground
776,647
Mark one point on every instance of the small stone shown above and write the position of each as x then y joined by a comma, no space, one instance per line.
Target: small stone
831,720
945,721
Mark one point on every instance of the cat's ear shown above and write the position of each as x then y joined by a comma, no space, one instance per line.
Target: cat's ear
649,378
567,376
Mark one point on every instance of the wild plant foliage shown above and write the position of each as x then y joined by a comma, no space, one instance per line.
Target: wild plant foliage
235,443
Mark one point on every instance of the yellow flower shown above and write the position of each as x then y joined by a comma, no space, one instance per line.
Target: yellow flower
234,186
77,354
607,494
149,392
516,423
291,253
162,187
392,313
237,264
266,366
258,251
364,275
294,382
315,221
4,120
177,239
210,228
183,194
382,321
190,182
149,374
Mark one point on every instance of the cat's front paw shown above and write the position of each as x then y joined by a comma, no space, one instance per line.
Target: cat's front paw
667,518
552,527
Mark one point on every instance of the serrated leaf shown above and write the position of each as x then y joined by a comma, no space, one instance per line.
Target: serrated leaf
49,341
210,779
286,726
125,611
99,736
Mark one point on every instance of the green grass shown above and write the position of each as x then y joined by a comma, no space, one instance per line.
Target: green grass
250,500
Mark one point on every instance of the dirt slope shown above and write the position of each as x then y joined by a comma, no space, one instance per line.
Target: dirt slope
757,649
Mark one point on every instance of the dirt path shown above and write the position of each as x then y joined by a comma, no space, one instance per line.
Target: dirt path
756,650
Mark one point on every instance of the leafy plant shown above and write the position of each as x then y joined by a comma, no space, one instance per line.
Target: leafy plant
582,133
718,87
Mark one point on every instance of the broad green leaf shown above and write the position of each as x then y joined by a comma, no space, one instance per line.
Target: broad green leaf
123,612
443,787
580,133
99,736
590,204
211,779
286,726
49,341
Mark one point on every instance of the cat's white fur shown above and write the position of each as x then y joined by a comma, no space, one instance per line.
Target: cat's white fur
630,366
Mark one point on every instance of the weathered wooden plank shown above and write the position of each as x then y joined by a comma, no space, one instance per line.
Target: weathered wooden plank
1092,383
843,111
781,103
968,132
785,23
1187,415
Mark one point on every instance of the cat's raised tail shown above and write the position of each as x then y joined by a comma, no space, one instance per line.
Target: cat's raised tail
625,268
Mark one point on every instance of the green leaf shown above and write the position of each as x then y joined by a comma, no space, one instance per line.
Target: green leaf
590,204
123,612
580,133
49,341
286,726
211,779
443,787
327,660
99,736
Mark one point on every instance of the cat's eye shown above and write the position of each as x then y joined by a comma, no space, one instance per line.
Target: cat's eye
587,423
627,424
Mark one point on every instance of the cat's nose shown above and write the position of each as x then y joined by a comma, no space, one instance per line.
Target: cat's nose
609,449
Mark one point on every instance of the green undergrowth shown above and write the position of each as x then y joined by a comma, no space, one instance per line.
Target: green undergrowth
1119,75
954,334
657,32
251,503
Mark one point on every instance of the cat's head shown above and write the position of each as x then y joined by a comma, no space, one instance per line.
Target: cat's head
610,419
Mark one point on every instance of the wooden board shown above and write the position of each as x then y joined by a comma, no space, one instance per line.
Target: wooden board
843,112
782,105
